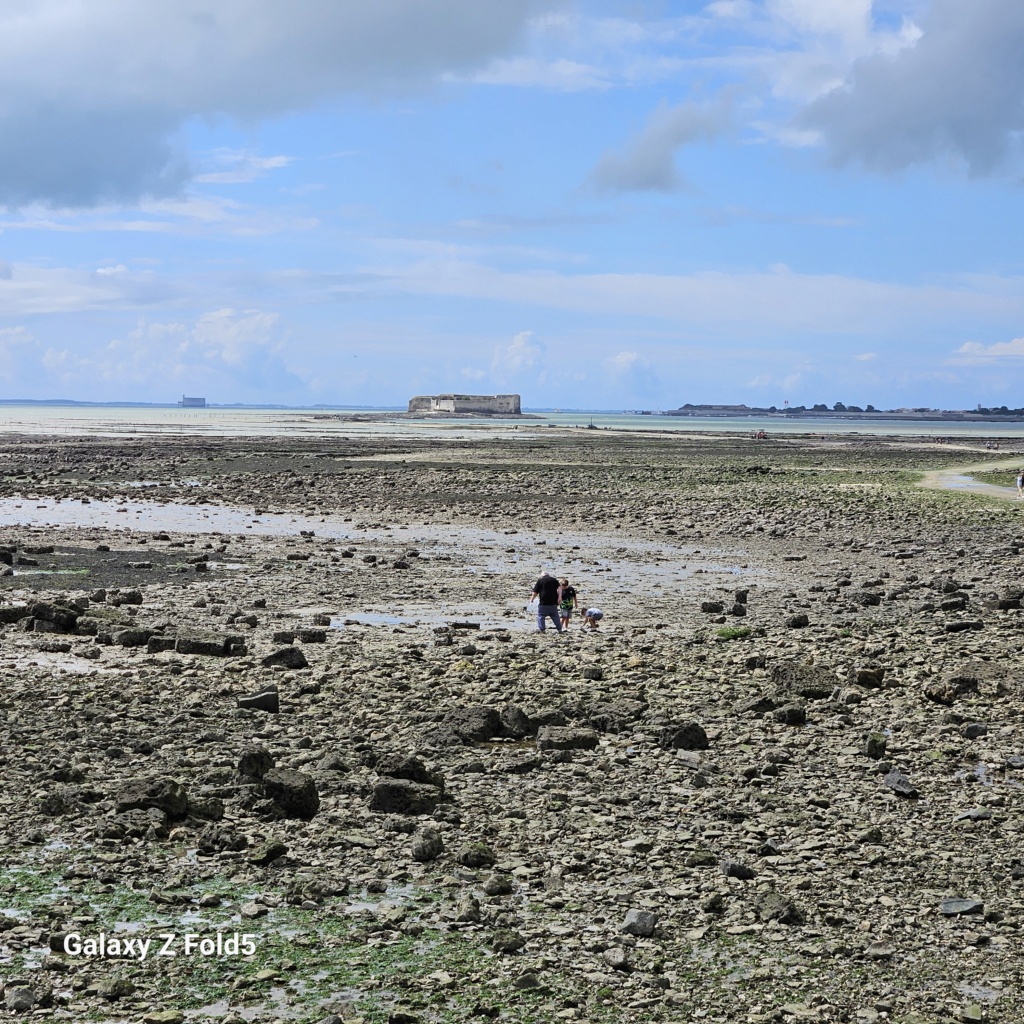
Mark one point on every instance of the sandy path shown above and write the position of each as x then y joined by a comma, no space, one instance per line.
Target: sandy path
959,478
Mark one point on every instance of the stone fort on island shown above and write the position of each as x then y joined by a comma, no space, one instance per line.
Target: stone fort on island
479,405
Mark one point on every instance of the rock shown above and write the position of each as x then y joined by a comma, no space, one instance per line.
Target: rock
689,736
874,745
115,988
476,855
465,725
515,722
210,644
594,672
294,792
735,869
266,700
616,958
963,625
974,730
555,737
132,637
210,807
615,716
161,793
640,923
163,1017
255,762
267,852
790,714
61,617
498,885
63,801
775,907
19,999
400,796
799,621
700,858
333,762
427,845
401,766
871,675
756,705
955,907
812,682
880,951
507,942
712,607
900,784
286,657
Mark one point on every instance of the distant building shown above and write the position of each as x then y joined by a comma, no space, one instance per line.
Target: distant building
480,405
192,403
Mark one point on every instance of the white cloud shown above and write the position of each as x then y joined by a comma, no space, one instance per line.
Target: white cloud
648,161
522,354
952,86
623,362
95,93
225,354
849,20
240,167
740,9
973,353
866,357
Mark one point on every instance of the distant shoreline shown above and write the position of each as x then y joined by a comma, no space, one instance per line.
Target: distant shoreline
693,412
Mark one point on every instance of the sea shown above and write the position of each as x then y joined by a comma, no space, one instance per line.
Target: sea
134,421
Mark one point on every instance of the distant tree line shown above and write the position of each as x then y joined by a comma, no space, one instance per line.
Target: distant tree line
1000,411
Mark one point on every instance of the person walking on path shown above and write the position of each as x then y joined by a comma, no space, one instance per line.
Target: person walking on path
566,602
1020,484
545,593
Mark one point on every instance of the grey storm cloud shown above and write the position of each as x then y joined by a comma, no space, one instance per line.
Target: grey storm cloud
93,95
647,163
958,91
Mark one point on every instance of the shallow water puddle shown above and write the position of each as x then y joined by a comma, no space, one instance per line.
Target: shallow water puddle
155,516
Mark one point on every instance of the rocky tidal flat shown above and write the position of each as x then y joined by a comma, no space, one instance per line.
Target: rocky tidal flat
289,689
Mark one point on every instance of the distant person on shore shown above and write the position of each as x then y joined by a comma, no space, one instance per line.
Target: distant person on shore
545,593
591,617
566,602
1020,484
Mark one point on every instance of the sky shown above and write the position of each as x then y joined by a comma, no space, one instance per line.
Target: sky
599,204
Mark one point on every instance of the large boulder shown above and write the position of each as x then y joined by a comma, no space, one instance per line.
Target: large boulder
211,644
566,737
400,796
286,657
401,766
162,793
294,792
812,682
688,736
465,725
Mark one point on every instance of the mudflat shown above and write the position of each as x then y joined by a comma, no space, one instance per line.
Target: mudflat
288,693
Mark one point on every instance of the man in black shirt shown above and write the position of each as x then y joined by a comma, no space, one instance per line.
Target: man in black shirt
545,592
